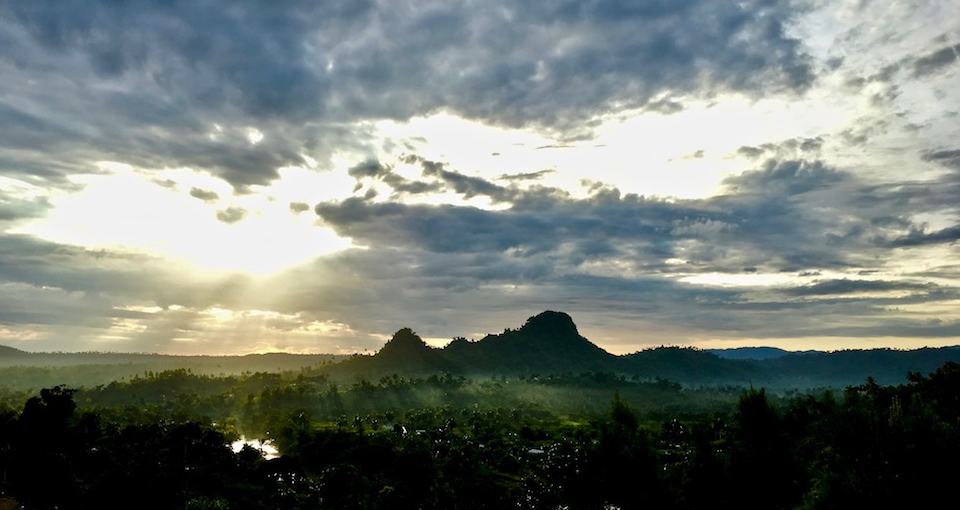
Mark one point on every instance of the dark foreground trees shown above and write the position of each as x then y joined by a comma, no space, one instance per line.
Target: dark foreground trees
872,446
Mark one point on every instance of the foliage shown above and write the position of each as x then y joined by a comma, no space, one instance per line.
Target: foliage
550,441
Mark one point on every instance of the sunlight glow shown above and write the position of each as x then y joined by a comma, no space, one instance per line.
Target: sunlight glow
683,155
125,211
254,136
739,280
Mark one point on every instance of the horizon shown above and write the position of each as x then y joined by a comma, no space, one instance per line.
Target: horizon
196,179
435,344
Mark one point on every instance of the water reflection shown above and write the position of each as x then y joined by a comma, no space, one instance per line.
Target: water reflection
265,448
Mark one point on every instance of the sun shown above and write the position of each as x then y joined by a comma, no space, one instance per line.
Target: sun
123,210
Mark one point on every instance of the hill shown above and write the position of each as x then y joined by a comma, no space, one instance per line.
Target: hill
692,366
754,352
404,353
548,343
841,368
10,353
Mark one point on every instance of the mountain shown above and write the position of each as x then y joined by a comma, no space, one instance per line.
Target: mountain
548,342
404,353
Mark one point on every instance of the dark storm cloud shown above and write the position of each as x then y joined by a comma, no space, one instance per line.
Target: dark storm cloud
144,82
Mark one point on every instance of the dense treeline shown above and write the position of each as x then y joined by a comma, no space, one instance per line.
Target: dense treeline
43,370
256,403
145,443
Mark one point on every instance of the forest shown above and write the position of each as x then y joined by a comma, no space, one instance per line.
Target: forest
588,440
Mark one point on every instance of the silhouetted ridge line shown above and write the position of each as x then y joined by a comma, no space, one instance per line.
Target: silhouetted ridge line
7,351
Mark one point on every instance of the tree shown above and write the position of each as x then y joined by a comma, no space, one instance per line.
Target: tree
762,463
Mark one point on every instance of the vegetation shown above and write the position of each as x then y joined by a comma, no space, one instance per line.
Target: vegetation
446,441
534,418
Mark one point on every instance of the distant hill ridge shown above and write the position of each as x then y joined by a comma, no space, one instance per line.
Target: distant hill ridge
6,351
551,343
756,352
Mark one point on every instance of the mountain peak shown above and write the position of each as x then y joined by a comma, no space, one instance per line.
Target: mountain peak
406,352
551,323
404,340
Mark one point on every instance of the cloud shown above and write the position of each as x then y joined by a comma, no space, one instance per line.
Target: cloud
244,92
374,170
369,169
178,85
127,276
299,207
16,208
527,176
919,237
786,177
664,106
761,223
846,286
793,148
750,152
437,178
231,214
947,158
935,61
205,195
465,185
613,251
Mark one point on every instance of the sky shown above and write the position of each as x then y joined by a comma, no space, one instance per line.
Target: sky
207,177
